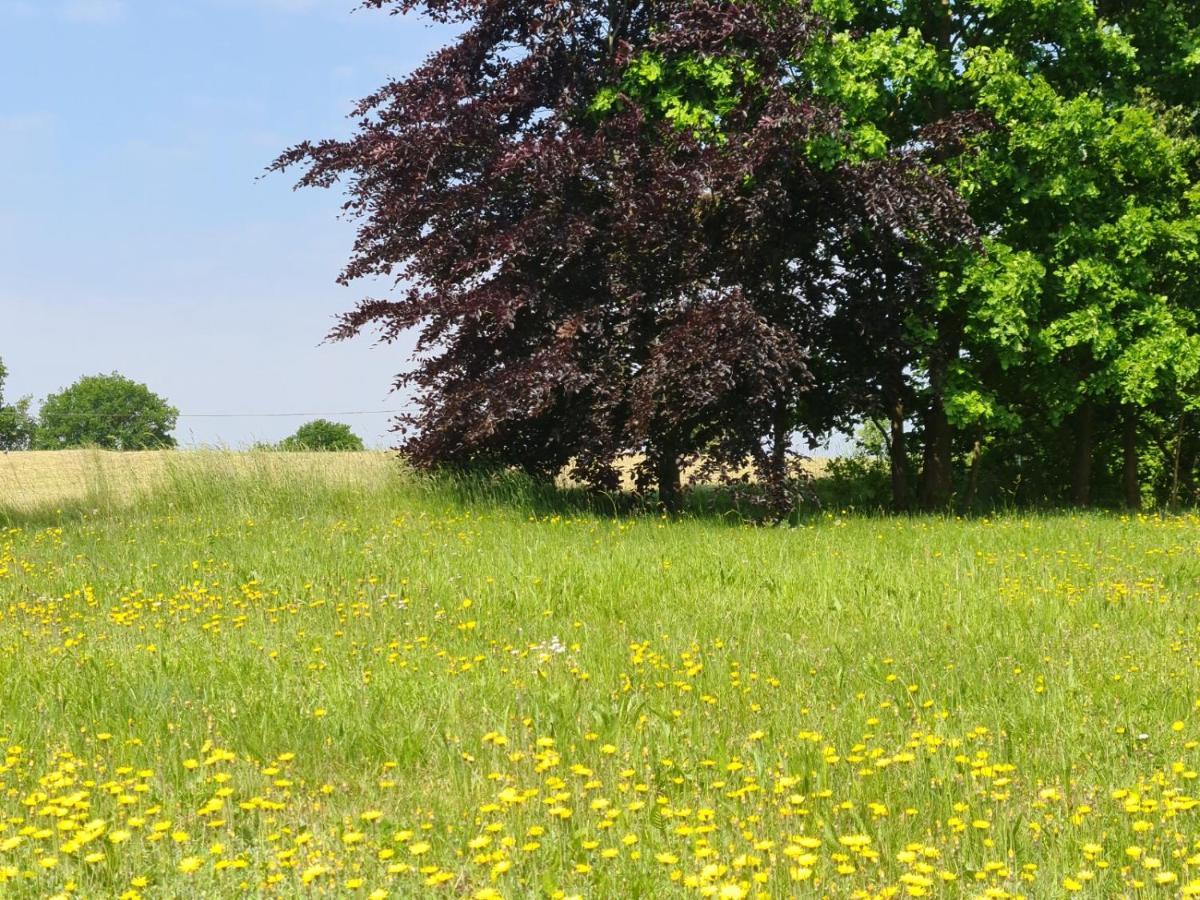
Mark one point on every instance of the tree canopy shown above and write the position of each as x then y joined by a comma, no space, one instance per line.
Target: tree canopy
321,434
617,228
1082,307
711,229
111,412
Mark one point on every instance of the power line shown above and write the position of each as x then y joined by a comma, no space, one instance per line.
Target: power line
276,415
360,412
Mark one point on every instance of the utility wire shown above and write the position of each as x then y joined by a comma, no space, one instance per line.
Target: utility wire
360,412
286,415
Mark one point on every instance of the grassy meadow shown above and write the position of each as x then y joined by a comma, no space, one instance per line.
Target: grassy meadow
231,675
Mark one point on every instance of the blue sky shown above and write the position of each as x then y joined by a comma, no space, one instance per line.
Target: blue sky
135,234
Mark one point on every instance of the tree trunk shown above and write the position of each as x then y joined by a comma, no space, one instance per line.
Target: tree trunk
1175,463
1131,486
1187,473
937,476
780,442
898,457
1081,469
937,472
670,488
781,503
973,484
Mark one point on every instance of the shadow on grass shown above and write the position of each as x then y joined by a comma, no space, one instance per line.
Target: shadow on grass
48,515
518,492
729,505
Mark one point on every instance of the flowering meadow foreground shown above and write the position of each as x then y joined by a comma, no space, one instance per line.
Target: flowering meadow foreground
254,683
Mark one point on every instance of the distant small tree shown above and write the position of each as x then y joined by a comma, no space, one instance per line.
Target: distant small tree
16,424
321,434
108,411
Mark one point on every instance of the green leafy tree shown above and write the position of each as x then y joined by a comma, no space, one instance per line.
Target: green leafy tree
16,424
1061,125
321,434
1082,174
107,411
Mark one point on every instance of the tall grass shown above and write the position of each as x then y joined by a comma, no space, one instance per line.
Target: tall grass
334,676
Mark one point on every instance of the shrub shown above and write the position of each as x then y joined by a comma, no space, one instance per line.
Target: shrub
860,482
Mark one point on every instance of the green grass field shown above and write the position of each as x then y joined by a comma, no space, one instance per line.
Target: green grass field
266,680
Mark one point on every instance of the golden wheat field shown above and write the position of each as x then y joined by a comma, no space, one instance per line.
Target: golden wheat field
47,479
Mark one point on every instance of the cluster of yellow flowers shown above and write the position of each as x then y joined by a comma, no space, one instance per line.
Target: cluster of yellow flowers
395,738
730,827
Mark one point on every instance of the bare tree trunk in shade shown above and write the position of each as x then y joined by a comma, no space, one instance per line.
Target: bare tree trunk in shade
1081,468
1131,485
898,457
670,488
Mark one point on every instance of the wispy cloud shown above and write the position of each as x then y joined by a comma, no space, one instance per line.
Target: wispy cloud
92,11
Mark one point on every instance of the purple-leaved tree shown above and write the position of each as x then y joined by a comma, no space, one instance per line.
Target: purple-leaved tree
618,227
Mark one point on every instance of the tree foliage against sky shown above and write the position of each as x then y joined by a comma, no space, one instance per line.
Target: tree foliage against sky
16,424
618,227
321,434
111,412
1082,307
706,228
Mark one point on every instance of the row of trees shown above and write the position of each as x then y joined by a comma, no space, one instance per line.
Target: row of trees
113,412
711,229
